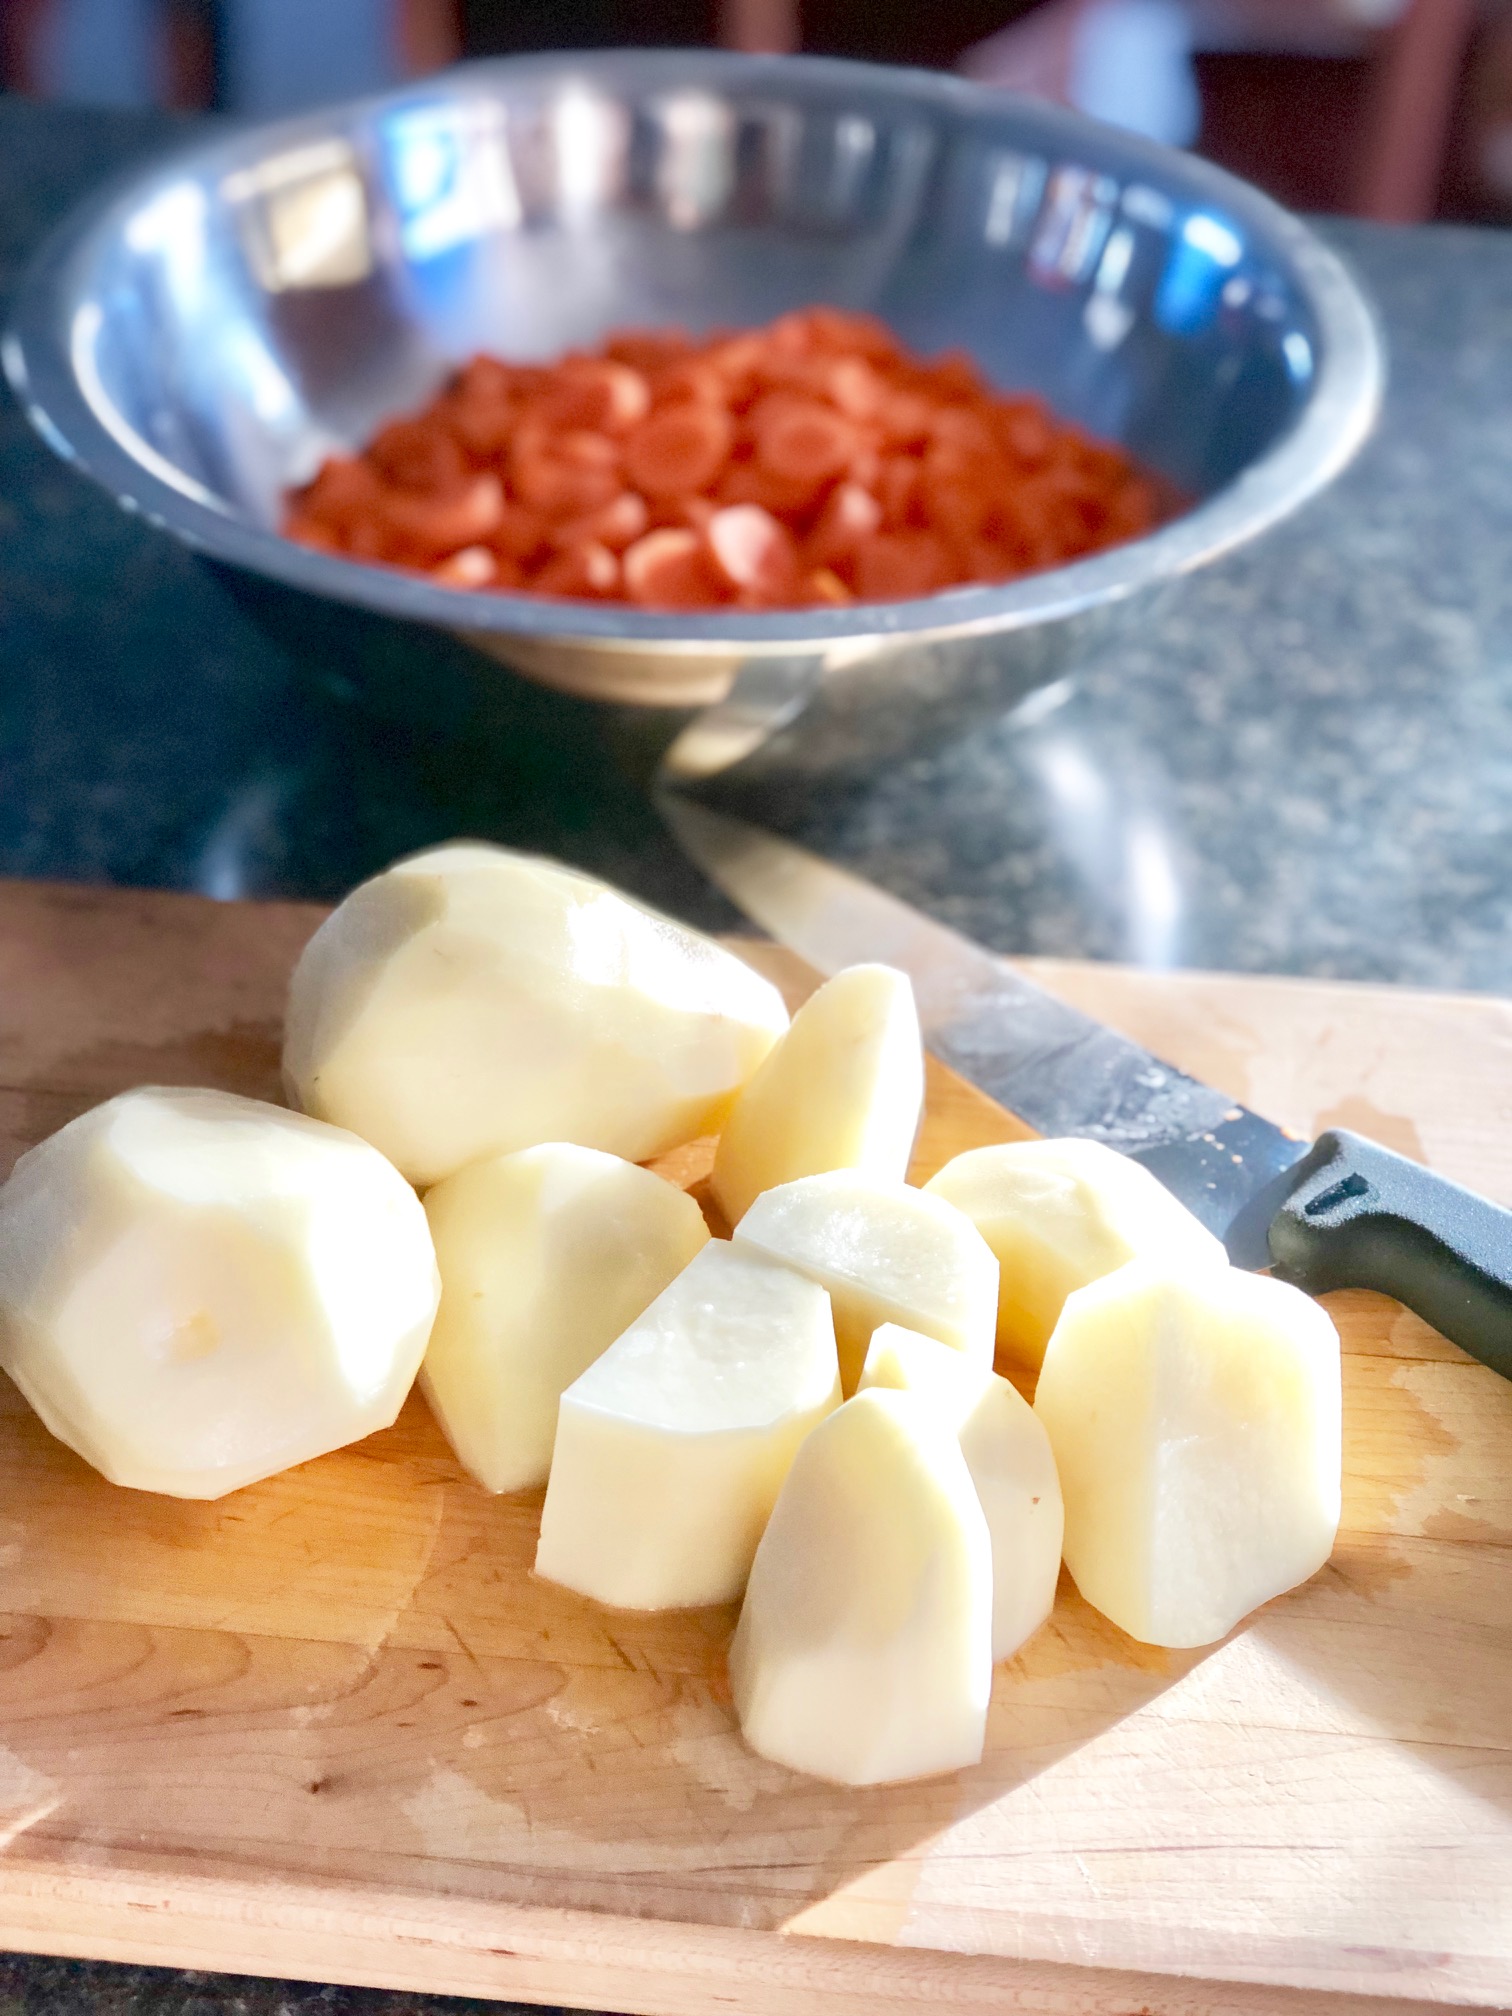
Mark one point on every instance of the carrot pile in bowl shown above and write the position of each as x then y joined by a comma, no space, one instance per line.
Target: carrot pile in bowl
815,461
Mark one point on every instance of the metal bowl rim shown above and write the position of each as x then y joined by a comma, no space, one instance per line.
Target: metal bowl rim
1335,420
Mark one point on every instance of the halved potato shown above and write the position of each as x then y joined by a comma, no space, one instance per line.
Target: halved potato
671,1448
546,1256
1012,1469
471,1001
1058,1214
197,1290
1195,1420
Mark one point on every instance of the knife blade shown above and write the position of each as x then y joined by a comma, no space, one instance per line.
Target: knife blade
1338,1212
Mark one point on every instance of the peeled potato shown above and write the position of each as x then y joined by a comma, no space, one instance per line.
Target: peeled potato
864,1648
1195,1421
887,1254
843,1089
545,1257
1012,1470
198,1290
471,1001
672,1446
1059,1214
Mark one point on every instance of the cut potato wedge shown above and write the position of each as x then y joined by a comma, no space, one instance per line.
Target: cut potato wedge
1195,1421
864,1648
671,1448
1008,1455
546,1256
887,1254
843,1089
198,1290
471,1001
1058,1214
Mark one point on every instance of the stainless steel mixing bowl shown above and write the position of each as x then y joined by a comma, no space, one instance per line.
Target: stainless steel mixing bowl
200,338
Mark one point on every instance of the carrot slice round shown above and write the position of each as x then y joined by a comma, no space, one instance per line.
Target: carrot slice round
469,567
672,568
800,441
435,526
899,566
583,570
754,551
678,449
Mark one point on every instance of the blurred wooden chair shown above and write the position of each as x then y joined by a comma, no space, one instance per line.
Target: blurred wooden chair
1415,51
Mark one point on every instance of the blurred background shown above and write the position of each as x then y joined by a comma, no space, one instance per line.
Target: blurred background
1393,109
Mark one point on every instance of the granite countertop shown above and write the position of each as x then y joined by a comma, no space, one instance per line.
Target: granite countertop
1302,764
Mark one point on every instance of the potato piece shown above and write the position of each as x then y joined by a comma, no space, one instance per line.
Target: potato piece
1195,1421
864,1648
1008,1455
887,1254
545,1256
843,1089
198,1290
672,1447
1059,1214
471,1001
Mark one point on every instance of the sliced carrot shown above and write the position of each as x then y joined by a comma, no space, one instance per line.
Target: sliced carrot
599,393
678,449
520,535
785,466
469,567
754,551
1025,432
584,570
616,524
672,568
306,531
344,490
435,526
413,455
564,475
854,387
690,378
648,350
824,587
906,419
800,441
850,516
897,490
898,566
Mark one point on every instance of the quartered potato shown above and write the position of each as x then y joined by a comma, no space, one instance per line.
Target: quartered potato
197,1290
1059,1214
1195,1420
843,1089
671,1448
864,1648
471,1001
545,1256
1012,1469
887,1254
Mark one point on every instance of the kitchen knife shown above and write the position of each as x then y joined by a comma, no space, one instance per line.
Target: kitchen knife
1339,1212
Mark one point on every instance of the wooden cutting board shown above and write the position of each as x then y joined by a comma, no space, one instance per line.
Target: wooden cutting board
330,1727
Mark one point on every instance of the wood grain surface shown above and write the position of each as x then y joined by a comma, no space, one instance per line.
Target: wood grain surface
330,1726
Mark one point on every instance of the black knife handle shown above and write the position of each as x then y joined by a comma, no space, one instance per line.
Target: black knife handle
1359,1216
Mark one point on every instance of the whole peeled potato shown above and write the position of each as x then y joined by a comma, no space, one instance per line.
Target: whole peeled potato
197,1290
472,1001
